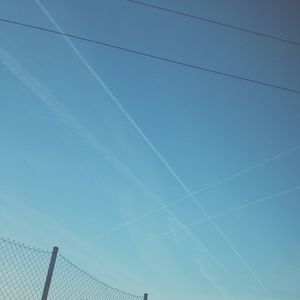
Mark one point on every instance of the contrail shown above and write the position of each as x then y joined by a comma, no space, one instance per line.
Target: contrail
154,149
209,278
64,115
163,207
229,211
198,242
69,120
111,95
135,220
181,225
205,188
247,170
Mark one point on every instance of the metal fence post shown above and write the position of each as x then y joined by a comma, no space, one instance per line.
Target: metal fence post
50,273
145,296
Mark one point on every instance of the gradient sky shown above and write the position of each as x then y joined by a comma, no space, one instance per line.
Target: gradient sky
96,145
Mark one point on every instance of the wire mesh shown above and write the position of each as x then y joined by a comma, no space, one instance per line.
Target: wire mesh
23,271
70,282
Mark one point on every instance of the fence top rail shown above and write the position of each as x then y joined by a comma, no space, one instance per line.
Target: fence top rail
96,279
23,245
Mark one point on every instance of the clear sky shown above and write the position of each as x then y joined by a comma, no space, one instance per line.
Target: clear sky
97,144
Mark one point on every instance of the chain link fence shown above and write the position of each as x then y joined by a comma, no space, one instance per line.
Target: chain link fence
26,274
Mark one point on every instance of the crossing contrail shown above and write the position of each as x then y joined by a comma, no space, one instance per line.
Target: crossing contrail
115,100
209,278
157,153
249,169
87,138
68,118
203,189
229,211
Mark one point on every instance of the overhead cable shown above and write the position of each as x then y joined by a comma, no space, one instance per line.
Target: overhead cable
153,56
207,20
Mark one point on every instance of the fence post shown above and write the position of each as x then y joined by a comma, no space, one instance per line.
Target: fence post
50,273
145,296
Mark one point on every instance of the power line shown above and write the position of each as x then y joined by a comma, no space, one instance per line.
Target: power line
149,55
176,12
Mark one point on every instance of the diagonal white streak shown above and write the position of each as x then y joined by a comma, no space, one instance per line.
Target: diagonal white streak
249,169
229,211
133,221
107,90
69,120
205,188
209,278
154,149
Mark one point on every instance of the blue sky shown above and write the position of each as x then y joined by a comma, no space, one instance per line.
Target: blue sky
97,144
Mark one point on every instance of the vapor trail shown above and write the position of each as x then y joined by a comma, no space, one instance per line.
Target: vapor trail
229,211
158,154
205,188
133,221
111,95
87,138
70,120
67,118
209,278
249,169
